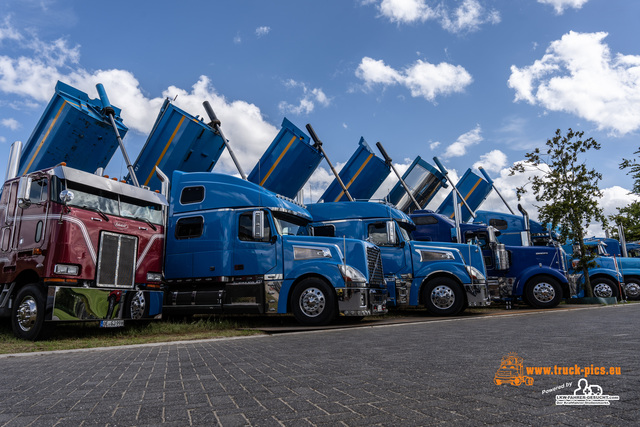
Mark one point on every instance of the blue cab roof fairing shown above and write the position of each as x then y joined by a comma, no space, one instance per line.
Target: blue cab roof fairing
355,210
223,191
288,163
178,141
74,130
362,175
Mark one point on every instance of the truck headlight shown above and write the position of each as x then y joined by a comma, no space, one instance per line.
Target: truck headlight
66,269
154,277
475,274
435,256
307,252
351,275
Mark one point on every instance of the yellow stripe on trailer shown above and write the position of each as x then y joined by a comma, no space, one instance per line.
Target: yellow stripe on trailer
166,147
277,161
354,177
467,196
46,135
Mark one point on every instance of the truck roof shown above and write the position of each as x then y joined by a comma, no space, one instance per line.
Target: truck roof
227,191
355,210
104,183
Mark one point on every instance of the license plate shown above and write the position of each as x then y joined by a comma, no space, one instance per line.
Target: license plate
112,323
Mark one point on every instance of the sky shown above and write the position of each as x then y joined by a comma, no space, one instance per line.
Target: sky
473,82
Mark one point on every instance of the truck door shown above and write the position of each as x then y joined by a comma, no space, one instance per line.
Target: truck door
394,256
31,222
252,259
8,206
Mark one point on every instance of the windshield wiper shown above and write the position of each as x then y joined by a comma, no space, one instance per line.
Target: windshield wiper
147,221
102,214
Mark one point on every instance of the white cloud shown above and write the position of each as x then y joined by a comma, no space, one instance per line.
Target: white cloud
308,101
421,78
8,32
612,197
579,75
10,123
262,31
492,161
467,17
459,148
35,77
434,145
561,5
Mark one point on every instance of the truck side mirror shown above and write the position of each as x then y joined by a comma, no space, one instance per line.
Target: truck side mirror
257,225
66,196
24,189
391,233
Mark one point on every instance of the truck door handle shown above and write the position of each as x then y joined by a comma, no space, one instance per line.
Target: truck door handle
238,267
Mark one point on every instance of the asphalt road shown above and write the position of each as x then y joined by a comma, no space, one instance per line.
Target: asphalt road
427,373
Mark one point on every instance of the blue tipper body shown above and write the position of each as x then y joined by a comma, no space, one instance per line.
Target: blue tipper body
473,188
178,141
423,180
288,162
73,130
362,175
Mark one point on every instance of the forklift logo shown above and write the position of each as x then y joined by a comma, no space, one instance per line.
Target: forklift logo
511,371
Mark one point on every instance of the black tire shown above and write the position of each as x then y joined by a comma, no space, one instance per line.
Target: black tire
443,297
313,302
542,292
136,306
632,288
603,287
28,312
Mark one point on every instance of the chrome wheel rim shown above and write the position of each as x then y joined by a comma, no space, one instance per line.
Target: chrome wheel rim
138,304
442,297
27,313
312,302
602,290
544,292
632,290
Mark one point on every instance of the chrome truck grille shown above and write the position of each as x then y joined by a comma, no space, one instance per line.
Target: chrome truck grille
116,260
374,265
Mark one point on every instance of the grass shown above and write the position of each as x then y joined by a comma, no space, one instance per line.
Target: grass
65,336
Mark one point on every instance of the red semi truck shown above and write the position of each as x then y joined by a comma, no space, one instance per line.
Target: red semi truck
76,246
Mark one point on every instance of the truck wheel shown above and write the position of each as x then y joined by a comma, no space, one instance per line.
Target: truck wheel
604,288
313,302
443,297
632,288
136,306
27,314
543,292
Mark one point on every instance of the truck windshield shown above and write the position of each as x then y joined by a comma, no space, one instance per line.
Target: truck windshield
289,225
405,230
109,203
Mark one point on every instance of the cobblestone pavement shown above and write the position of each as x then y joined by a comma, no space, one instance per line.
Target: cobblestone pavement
432,373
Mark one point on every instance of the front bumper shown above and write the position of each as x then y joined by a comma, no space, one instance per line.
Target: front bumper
362,301
67,303
477,294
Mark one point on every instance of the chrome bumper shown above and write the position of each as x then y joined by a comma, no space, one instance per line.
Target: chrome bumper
361,301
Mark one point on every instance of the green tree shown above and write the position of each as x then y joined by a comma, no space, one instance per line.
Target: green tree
634,171
629,217
568,190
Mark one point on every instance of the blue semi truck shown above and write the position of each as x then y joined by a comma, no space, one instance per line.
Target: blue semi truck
605,276
235,247
535,274
444,277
